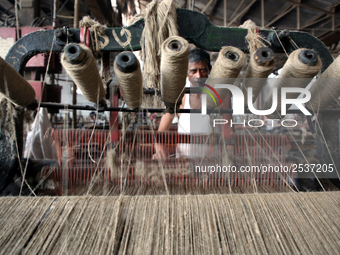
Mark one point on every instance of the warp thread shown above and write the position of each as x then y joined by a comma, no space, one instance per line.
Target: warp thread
290,223
86,76
227,67
326,89
294,73
131,85
258,69
174,66
111,163
14,87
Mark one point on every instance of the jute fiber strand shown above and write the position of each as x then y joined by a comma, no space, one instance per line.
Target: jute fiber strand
96,30
130,84
289,223
160,20
86,75
260,65
326,89
174,66
295,74
253,38
227,67
14,87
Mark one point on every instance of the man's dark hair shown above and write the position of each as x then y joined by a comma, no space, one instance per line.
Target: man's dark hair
199,55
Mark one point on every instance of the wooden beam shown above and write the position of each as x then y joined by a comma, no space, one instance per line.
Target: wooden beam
321,36
225,13
208,9
238,7
315,21
298,17
283,13
102,11
240,15
317,18
55,11
262,13
310,7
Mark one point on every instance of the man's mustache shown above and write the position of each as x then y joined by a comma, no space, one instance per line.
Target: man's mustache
199,82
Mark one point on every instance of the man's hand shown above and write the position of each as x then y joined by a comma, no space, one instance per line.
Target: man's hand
161,151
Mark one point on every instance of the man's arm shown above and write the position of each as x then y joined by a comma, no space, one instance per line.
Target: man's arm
166,121
164,125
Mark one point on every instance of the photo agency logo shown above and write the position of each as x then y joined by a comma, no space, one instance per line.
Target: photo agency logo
239,99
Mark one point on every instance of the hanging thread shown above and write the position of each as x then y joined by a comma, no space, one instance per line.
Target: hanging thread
160,22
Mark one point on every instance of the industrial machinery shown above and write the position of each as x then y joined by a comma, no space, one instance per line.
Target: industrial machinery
197,30
113,162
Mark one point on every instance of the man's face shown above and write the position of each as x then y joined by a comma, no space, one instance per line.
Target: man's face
198,71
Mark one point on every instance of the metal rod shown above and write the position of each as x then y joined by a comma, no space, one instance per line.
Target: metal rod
74,86
160,110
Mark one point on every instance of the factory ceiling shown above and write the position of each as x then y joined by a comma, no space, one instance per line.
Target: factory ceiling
321,18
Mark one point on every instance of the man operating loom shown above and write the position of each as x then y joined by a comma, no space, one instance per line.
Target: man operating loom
198,68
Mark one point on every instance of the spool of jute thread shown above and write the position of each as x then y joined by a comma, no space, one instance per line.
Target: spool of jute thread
326,89
227,67
14,87
130,79
81,65
302,65
260,65
174,66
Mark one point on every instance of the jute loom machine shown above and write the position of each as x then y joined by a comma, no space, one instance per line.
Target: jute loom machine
278,223
78,168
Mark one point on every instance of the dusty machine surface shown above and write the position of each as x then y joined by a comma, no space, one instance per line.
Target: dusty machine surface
241,195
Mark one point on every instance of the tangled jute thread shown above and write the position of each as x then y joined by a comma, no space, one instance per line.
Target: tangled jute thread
260,65
255,41
227,67
160,22
96,30
85,75
326,89
130,82
296,74
174,66
14,87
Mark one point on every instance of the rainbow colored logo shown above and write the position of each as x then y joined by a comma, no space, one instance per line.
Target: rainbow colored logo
210,94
